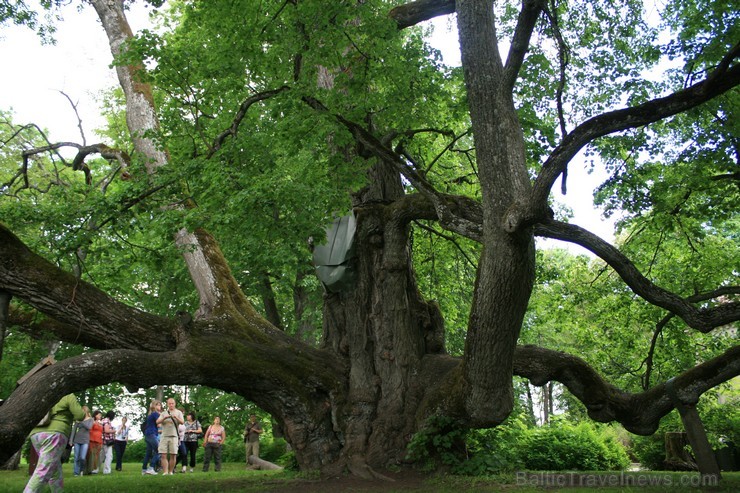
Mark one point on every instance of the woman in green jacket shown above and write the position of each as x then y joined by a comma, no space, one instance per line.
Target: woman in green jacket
49,441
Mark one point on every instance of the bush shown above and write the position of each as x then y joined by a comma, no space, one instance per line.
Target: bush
495,450
444,443
273,450
564,446
440,443
288,461
650,451
135,451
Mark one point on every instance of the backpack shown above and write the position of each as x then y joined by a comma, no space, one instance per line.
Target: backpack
142,427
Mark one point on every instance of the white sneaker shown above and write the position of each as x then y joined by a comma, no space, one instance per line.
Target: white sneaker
151,471
184,468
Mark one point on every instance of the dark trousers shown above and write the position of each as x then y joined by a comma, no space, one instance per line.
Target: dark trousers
182,454
191,448
119,447
212,449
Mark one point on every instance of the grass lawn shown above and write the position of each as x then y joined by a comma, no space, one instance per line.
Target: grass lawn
234,477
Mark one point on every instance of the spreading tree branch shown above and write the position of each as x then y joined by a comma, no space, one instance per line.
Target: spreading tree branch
446,210
724,78
639,413
413,13
526,23
76,303
701,319
240,114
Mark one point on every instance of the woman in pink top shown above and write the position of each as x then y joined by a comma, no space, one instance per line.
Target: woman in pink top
214,439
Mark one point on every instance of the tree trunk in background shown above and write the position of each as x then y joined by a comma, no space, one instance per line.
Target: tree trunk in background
302,301
272,313
697,436
4,309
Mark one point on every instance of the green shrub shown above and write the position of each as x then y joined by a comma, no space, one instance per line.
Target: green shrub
444,443
273,450
496,449
135,451
288,461
650,451
564,446
440,443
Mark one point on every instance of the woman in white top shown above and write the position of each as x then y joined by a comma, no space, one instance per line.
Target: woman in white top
121,440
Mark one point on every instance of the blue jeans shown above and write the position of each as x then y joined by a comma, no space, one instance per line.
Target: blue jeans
151,451
80,455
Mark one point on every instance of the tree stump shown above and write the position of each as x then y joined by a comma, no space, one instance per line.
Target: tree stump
677,456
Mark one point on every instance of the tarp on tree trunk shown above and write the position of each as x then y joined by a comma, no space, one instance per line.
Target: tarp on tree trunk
334,260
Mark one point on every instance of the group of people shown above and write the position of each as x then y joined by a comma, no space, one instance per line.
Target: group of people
170,438
94,440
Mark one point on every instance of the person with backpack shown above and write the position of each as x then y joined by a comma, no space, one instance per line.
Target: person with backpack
49,440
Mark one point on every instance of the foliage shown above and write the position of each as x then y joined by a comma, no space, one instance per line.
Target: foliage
440,442
513,445
564,446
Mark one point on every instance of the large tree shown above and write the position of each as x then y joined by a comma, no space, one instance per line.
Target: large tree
247,92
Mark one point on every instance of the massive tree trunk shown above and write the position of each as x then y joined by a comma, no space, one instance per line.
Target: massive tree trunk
381,368
382,327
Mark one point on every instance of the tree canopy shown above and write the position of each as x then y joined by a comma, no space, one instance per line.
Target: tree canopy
178,251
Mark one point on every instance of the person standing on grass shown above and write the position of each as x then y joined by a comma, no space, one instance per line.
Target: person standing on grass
81,442
213,441
169,443
121,440
109,439
193,431
150,437
96,444
50,441
252,433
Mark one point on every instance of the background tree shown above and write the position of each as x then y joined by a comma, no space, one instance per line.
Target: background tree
268,123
